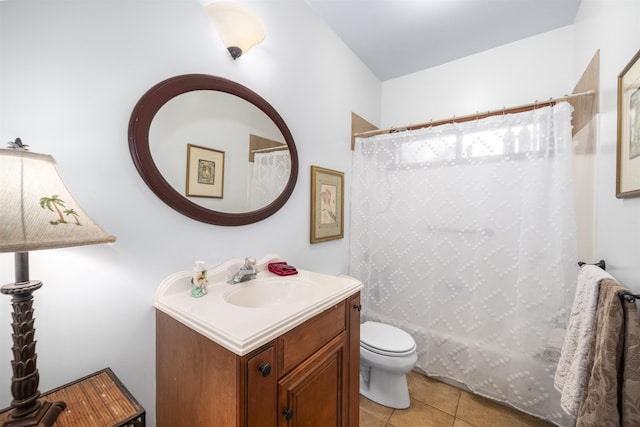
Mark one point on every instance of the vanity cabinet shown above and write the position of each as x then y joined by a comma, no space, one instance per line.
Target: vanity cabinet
308,376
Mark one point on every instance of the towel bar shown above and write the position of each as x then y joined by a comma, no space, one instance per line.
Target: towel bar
601,264
629,297
624,296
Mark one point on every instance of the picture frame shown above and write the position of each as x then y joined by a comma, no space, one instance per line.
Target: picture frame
628,149
327,204
205,172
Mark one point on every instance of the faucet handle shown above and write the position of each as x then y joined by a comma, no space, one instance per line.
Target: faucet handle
249,262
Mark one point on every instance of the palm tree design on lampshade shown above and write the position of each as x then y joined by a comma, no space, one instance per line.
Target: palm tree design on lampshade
54,203
74,214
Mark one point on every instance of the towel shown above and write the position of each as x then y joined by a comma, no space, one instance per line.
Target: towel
282,268
571,373
612,395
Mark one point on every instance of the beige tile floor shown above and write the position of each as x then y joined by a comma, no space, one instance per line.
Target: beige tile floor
436,404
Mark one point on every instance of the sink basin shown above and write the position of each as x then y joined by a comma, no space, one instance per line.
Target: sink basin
261,293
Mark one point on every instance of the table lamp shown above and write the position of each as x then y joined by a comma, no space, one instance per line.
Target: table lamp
36,212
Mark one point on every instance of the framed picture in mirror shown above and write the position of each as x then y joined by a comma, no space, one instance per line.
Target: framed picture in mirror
205,172
327,204
628,158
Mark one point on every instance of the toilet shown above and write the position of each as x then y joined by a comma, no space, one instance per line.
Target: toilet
387,354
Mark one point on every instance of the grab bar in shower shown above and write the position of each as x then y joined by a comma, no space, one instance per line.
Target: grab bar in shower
483,231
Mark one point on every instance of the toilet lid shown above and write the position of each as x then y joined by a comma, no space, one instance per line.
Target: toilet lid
385,339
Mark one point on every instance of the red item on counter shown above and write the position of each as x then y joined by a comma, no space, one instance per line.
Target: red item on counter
282,268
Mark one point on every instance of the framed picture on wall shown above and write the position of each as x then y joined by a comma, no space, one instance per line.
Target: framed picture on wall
628,160
205,172
327,204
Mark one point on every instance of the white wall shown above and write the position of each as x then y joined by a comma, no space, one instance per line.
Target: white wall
70,74
614,28
536,69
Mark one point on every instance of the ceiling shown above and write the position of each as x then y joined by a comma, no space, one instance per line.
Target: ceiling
398,37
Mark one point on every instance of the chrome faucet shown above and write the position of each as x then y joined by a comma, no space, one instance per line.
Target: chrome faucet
246,272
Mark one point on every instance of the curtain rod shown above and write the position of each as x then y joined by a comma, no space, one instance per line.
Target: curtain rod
454,119
274,148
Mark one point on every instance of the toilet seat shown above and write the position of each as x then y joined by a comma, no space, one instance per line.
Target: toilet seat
385,339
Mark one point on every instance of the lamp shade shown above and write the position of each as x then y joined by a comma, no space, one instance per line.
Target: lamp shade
239,28
36,209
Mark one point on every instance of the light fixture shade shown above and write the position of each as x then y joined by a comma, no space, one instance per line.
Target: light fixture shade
36,209
238,27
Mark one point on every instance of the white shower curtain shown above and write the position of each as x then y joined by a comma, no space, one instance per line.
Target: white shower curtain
464,236
268,177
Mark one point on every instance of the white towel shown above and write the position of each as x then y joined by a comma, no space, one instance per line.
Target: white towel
571,375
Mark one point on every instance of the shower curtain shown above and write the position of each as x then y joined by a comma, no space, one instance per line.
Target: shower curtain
268,177
464,236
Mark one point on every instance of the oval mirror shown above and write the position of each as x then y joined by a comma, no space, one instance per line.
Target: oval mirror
213,150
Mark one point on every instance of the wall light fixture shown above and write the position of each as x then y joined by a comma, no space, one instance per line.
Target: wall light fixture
238,26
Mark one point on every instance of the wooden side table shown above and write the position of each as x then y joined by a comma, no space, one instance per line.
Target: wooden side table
97,400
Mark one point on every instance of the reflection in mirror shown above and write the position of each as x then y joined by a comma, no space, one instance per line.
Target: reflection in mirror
269,170
247,138
256,159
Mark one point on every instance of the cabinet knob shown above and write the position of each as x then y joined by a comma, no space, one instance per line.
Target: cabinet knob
288,413
265,369
358,307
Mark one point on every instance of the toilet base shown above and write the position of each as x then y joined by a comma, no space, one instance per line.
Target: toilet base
386,388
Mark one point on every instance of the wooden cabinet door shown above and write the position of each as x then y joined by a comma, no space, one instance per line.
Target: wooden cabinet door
261,387
314,393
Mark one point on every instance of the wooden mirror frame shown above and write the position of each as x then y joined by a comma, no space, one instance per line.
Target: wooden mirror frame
140,123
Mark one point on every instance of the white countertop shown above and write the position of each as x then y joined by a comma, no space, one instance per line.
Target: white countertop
243,329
